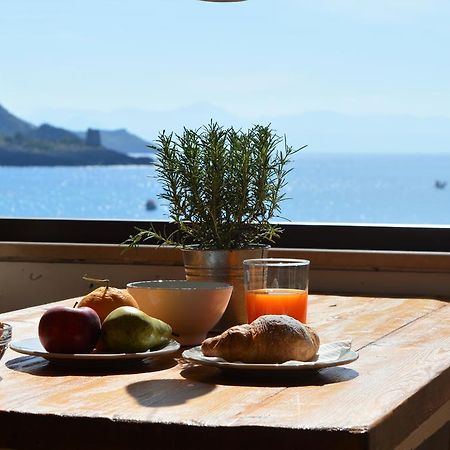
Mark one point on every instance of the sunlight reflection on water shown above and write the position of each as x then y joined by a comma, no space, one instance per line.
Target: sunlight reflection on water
321,188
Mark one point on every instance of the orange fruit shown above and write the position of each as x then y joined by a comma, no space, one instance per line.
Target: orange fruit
104,299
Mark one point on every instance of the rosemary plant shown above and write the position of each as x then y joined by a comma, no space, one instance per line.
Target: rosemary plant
222,186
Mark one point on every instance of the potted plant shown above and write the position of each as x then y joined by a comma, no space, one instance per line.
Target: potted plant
222,186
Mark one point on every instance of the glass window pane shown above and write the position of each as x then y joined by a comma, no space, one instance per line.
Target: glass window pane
363,84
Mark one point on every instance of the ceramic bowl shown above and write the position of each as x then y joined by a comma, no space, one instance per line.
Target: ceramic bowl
191,308
5,337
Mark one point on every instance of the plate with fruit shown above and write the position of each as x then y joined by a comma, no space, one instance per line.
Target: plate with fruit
33,347
104,326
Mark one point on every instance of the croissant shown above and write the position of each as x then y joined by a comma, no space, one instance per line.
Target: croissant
268,339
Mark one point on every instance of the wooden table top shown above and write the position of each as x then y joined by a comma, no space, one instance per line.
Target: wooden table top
396,393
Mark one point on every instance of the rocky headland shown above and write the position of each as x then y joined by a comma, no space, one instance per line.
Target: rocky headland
23,144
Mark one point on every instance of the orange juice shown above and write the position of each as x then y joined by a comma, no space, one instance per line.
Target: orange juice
292,302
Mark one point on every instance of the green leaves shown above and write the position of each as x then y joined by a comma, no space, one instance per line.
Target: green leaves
222,186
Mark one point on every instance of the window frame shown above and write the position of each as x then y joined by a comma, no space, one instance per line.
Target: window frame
377,237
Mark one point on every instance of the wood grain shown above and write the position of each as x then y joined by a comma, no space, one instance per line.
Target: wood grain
400,384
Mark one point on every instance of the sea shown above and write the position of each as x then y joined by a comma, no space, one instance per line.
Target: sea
322,188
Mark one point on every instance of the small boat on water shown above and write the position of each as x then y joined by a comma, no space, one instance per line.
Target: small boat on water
150,205
438,184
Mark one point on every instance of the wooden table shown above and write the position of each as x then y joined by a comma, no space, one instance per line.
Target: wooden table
394,396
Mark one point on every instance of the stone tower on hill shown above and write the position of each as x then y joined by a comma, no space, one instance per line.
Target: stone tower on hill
93,138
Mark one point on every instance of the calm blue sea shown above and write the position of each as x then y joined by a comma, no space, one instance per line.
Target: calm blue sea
322,188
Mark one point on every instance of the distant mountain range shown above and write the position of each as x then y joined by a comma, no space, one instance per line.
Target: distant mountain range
322,131
22,143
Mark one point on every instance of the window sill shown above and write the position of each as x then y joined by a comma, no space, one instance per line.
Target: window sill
36,273
321,259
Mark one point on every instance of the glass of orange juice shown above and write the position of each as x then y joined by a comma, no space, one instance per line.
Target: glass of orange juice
276,286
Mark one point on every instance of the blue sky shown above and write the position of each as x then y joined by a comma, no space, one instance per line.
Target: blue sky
252,59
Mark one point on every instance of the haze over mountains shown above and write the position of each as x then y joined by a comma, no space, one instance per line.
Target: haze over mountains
322,131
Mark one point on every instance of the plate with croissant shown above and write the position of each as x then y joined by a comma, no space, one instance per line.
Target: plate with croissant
271,342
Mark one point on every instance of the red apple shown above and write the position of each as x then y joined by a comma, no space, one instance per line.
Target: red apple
69,330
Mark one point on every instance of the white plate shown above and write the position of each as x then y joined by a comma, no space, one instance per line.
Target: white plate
33,347
329,355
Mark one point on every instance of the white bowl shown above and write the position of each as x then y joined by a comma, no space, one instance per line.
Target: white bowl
191,308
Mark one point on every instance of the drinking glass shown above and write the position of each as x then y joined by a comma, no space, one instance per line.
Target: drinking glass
276,286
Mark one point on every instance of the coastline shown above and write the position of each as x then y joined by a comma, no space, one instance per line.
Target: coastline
73,157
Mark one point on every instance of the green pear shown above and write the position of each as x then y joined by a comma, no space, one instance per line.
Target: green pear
129,330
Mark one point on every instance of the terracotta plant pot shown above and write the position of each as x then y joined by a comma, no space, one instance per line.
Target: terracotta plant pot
225,266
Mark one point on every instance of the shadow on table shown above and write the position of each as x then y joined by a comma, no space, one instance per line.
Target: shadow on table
34,365
232,377
169,392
